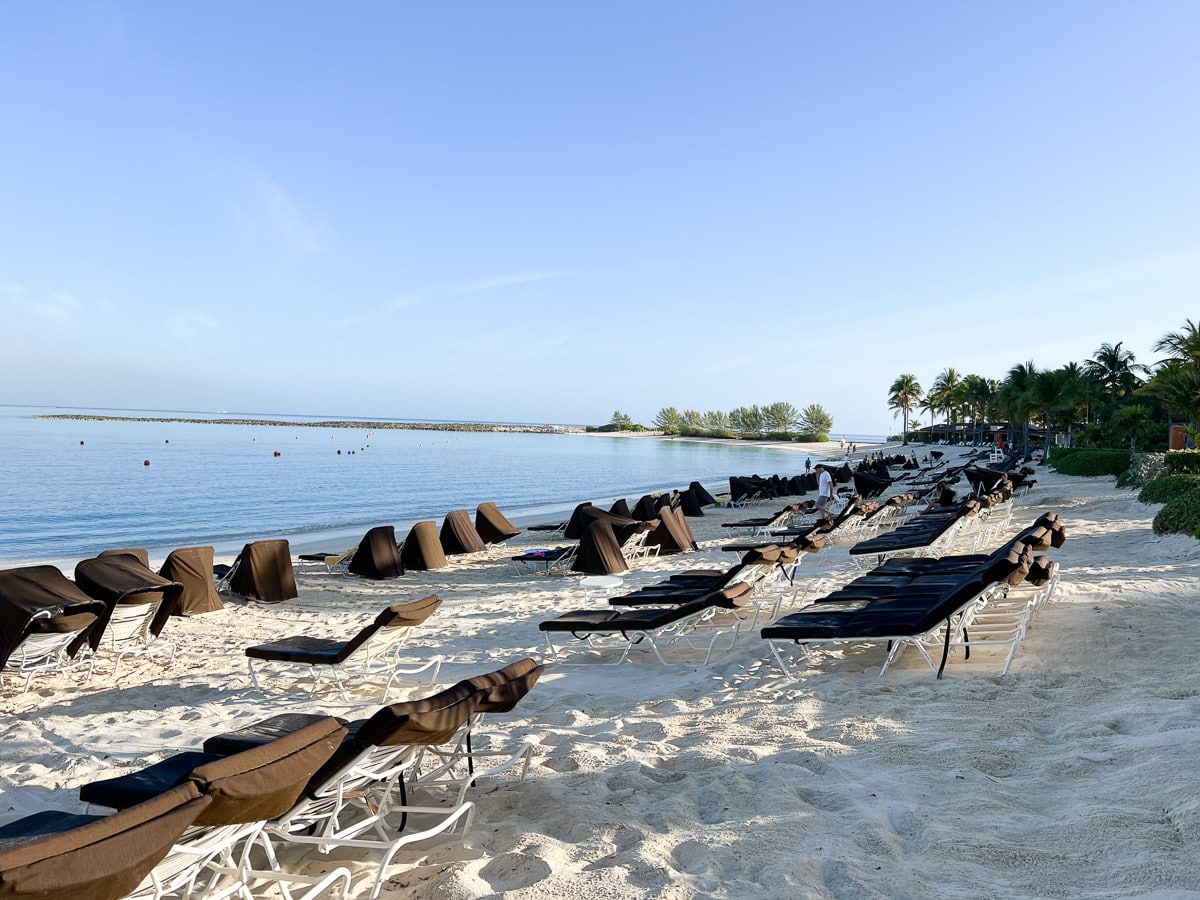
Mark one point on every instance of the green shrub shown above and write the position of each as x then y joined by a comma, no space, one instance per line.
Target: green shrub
1181,515
1143,469
1094,462
1183,462
1167,488
1058,454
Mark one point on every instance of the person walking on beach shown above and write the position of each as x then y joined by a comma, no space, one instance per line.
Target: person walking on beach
808,465
824,487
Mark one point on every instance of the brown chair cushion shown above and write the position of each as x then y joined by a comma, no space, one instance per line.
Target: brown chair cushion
104,858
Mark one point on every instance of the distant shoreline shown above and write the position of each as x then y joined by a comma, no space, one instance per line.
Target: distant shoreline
330,423
361,425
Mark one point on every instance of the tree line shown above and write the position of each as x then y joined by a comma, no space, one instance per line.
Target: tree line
774,421
1107,400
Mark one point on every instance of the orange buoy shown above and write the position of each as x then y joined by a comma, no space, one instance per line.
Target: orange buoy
277,453
145,462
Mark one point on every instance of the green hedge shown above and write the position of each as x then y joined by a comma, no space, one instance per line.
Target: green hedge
1094,462
1058,454
1166,489
1181,515
1183,462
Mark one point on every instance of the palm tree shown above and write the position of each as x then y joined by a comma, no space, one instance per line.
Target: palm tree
945,394
1134,421
1015,397
978,396
903,397
1182,344
1076,388
1177,383
1117,370
1048,397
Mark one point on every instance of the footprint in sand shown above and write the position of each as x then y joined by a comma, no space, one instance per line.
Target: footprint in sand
561,764
514,871
692,857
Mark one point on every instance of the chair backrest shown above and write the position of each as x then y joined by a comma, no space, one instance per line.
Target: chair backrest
391,626
192,567
422,548
429,720
672,533
599,551
132,619
29,590
458,535
264,782
104,859
492,526
264,571
377,556
122,580
139,553
501,690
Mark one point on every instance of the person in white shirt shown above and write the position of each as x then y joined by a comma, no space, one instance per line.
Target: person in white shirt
824,486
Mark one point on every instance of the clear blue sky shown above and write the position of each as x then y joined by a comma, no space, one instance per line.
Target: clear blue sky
547,211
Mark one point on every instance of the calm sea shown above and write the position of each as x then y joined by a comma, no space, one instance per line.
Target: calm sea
69,489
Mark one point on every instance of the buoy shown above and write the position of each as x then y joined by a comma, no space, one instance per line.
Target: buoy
145,462
276,452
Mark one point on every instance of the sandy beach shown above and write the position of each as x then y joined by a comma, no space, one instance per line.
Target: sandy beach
1073,775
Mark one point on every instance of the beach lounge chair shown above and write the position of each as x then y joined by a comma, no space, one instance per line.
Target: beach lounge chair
637,545
138,601
492,527
701,495
653,627
497,692
67,856
43,650
376,556
45,620
422,549
932,533
246,789
262,571
192,569
924,603
458,534
672,534
600,552
358,800
646,508
546,560
550,529
779,519
373,651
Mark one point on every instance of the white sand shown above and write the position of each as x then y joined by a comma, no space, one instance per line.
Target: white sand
1074,775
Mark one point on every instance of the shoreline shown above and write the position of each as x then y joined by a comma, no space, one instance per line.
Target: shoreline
303,538
326,423
493,427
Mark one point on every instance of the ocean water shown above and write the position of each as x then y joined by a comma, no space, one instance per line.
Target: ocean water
69,489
